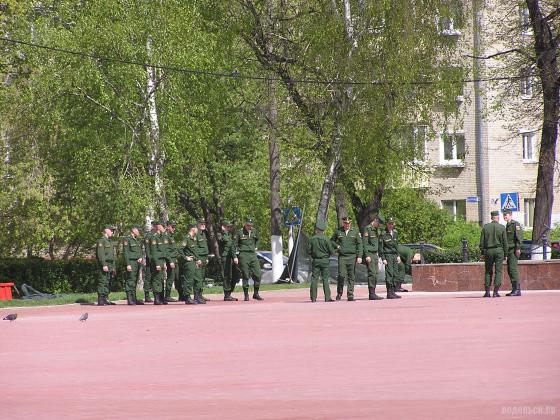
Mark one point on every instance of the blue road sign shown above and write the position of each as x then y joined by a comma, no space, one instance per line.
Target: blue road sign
292,216
509,201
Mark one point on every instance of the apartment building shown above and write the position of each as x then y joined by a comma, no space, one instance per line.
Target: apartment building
488,158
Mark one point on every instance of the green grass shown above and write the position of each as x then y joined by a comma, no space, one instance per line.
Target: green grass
91,298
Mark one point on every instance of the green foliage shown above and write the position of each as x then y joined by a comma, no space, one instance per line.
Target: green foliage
416,217
456,231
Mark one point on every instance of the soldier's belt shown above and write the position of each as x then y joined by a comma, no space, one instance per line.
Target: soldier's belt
493,247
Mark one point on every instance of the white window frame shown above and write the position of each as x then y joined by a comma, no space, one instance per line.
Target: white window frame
455,207
525,21
455,161
528,139
527,212
527,83
446,26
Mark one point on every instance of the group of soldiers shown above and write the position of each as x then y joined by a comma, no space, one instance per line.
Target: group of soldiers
377,242
496,244
183,263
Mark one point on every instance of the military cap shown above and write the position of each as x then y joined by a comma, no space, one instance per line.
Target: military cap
390,220
226,223
379,218
110,227
154,222
248,221
201,221
321,225
192,224
494,213
347,219
506,211
159,222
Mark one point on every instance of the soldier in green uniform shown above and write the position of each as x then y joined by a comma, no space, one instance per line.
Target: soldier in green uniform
172,262
348,241
202,252
493,247
370,240
105,254
388,251
148,264
404,267
245,244
132,253
320,249
225,242
514,234
190,260
158,258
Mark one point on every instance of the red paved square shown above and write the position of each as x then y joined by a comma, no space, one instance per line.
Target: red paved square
426,356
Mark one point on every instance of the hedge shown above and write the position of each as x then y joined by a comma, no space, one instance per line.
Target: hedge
72,276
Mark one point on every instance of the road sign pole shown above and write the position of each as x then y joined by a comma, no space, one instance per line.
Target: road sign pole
290,240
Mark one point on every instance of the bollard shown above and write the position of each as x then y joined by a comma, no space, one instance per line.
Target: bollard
465,244
544,245
422,243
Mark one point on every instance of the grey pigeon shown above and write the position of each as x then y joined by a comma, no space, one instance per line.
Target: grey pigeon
83,317
10,317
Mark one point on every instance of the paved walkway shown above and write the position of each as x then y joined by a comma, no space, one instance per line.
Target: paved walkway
426,356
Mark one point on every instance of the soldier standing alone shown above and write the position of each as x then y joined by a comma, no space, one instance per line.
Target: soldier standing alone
105,254
514,234
245,244
493,247
348,242
320,249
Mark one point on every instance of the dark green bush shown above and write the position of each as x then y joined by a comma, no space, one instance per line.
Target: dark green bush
454,255
73,276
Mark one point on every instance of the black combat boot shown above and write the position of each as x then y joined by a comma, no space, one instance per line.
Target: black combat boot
487,291
157,299
256,295
228,297
246,293
190,301
129,299
168,298
496,292
391,293
399,288
147,297
100,300
198,298
338,296
373,296
514,290
136,300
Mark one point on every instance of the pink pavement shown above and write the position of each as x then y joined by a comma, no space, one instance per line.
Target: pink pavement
426,356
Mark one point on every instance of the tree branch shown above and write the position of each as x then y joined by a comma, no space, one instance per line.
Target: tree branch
513,50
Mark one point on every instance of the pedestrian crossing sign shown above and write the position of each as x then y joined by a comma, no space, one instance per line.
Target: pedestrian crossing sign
292,216
509,201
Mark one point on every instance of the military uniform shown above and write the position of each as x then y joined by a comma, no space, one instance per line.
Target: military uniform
172,272
389,251
227,254
158,258
370,242
132,252
493,246
320,249
189,254
147,267
349,246
202,251
514,234
404,267
245,244
105,255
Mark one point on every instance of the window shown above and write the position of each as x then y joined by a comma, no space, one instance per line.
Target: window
525,20
529,209
447,27
528,139
452,149
527,81
458,208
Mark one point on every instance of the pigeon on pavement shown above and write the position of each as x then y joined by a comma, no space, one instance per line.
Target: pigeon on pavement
10,317
83,317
